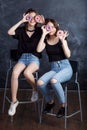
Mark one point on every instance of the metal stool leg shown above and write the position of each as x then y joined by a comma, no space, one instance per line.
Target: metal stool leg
38,109
41,110
80,101
65,107
6,83
38,102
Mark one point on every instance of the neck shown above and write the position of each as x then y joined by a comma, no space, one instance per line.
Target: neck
52,37
31,28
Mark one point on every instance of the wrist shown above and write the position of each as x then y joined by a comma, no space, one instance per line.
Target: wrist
63,40
43,35
21,21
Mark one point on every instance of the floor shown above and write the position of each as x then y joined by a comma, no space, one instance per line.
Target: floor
26,118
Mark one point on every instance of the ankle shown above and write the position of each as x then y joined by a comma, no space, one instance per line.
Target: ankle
48,107
14,101
51,102
63,105
61,112
34,88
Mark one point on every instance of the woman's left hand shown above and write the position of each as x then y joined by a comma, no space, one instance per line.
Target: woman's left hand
40,19
66,34
62,34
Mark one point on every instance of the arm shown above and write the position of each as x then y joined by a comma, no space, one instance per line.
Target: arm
66,48
11,31
41,44
65,44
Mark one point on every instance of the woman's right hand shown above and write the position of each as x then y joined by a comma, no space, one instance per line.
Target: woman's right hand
45,31
24,18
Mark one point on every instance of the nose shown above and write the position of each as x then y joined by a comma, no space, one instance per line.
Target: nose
33,19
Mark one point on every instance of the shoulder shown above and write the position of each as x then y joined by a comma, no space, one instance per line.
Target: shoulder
20,29
18,32
38,29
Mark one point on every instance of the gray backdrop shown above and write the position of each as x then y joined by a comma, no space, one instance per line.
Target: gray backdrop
70,14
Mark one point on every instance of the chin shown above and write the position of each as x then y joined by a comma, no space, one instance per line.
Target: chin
32,24
51,34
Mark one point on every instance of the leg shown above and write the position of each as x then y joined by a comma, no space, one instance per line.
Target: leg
45,90
56,81
60,77
58,90
42,85
28,73
19,67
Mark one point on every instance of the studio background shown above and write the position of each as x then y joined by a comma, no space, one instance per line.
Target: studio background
71,16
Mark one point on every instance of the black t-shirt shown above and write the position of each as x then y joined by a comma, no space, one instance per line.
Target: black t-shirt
28,44
55,52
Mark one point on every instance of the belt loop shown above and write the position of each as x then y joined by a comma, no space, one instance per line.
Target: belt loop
58,64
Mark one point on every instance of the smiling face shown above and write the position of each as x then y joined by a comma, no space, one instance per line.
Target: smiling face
51,26
31,13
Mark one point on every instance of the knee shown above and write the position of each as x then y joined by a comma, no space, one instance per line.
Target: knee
27,74
40,83
53,80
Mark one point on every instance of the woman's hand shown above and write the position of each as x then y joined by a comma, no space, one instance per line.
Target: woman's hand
45,31
62,34
40,19
24,19
66,34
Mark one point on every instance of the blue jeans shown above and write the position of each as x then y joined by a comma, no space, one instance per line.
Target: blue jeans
62,72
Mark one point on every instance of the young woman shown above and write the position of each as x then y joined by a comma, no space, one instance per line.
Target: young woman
28,37
58,53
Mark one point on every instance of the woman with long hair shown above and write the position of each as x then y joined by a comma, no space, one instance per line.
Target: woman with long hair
58,52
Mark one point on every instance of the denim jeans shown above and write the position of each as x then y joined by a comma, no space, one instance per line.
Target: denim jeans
62,72
28,58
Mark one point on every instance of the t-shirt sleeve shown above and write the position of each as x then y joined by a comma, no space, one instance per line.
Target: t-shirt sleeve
17,33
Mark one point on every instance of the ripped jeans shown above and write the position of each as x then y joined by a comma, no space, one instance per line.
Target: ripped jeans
61,71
